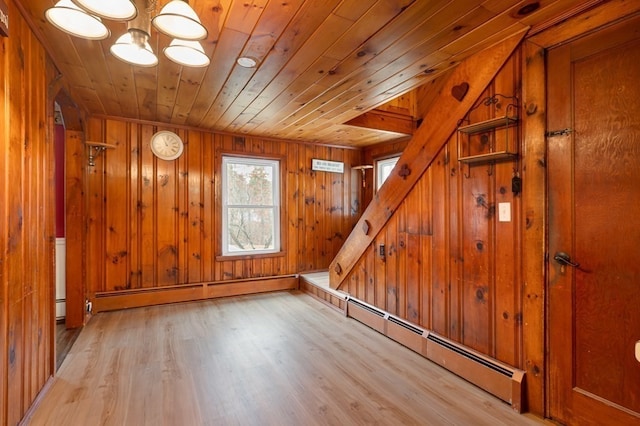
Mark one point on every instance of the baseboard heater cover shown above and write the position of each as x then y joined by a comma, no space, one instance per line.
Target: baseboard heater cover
367,314
495,377
367,307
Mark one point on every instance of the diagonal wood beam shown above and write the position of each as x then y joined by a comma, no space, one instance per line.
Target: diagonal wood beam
438,126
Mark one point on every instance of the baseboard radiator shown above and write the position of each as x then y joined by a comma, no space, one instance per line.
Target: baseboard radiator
495,377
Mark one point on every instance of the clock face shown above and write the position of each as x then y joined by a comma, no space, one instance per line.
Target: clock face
166,145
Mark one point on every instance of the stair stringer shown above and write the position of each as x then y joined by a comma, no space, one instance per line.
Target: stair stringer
477,71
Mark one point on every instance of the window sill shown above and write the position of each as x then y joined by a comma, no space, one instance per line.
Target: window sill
225,257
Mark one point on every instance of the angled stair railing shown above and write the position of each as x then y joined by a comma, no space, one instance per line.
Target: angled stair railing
465,85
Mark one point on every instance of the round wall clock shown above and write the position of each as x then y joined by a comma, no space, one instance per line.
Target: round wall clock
166,145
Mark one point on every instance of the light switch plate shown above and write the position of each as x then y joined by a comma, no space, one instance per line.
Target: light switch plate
504,212
638,350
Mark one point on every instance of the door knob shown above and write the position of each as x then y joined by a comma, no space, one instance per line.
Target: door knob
564,259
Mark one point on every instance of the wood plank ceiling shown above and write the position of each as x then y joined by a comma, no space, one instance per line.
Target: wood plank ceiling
321,63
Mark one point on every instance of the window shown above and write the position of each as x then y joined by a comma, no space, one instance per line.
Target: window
250,206
383,169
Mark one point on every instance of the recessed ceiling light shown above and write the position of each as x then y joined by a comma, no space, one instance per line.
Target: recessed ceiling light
247,62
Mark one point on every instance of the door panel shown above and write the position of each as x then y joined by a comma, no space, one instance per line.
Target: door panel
594,204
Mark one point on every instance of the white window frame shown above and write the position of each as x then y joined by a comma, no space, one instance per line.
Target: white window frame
383,164
251,161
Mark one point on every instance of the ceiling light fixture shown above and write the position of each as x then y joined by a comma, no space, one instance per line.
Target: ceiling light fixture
81,18
187,52
247,62
69,18
116,10
178,20
133,47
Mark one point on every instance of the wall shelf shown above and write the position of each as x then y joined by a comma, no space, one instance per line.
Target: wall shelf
508,151
490,156
95,149
483,126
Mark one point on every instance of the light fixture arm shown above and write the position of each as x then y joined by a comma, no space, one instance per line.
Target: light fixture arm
142,21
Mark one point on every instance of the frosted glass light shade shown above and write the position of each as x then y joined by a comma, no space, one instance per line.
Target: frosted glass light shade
69,18
116,10
133,47
246,62
178,20
187,52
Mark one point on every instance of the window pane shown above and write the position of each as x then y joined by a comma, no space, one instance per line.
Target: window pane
249,184
250,205
384,168
250,229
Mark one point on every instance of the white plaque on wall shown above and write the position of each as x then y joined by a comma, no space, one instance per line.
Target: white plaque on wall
327,166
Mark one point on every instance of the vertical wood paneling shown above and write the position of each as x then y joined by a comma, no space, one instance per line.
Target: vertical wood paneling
5,117
478,210
292,197
391,263
533,224
506,293
454,222
95,210
75,228
208,210
26,221
117,194
5,114
160,220
146,210
195,227
440,244
167,216
450,265
135,229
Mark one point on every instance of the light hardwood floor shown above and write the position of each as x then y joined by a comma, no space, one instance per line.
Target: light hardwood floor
271,359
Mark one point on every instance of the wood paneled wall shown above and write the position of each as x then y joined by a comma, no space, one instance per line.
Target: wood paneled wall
26,221
155,224
450,265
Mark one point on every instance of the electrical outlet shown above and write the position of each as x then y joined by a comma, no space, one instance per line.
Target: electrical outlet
381,250
89,306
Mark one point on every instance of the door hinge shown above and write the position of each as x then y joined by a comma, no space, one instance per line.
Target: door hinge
553,133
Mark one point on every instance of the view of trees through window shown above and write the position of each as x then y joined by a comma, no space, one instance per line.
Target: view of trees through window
250,213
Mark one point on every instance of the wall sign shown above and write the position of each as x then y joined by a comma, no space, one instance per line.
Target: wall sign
327,166
4,19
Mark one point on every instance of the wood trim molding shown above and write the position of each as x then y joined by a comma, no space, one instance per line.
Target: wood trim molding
477,71
534,224
110,301
582,21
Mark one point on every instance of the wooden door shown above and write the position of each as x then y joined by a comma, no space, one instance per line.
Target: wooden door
593,320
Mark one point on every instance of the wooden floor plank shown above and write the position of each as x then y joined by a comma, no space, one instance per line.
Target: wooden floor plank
269,359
